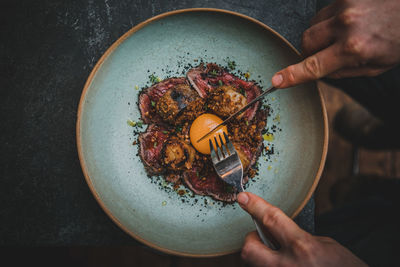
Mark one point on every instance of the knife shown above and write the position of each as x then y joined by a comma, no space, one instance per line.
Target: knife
266,92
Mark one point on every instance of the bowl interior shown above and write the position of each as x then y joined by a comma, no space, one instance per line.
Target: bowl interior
147,208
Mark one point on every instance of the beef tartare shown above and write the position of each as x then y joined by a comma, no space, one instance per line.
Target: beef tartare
169,108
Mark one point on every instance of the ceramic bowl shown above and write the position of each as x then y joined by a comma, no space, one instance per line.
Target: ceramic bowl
146,208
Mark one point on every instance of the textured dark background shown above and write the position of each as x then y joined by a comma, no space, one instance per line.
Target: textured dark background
47,50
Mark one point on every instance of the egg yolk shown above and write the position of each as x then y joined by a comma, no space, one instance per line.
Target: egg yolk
201,126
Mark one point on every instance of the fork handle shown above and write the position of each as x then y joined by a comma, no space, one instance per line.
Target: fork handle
263,238
260,232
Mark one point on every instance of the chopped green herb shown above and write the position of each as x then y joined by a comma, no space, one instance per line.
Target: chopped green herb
165,132
155,144
131,123
247,123
197,173
231,65
153,78
153,104
139,124
178,128
213,72
220,83
136,87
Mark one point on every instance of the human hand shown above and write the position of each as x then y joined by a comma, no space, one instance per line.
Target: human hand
348,38
298,248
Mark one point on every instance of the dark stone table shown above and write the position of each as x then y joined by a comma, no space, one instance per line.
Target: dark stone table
48,49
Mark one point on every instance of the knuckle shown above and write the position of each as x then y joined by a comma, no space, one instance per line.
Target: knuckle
303,246
313,67
257,202
271,218
290,77
348,17
356,46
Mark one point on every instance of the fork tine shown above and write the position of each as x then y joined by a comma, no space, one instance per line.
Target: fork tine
229,144
221,156
214,157
223,146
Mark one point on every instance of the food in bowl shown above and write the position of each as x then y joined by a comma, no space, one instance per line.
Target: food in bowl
178,111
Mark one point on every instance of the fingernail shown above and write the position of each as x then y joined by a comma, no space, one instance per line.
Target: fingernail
277,79
243,199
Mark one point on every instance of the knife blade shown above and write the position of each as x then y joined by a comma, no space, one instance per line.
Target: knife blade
266,92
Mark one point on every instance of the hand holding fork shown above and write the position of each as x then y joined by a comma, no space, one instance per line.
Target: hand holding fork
229,168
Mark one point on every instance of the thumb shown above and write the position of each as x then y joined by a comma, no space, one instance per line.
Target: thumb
281,227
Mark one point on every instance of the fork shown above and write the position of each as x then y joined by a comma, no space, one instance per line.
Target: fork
229,168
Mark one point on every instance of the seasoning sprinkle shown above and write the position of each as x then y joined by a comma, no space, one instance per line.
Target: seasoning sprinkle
277,118
131,123
268,137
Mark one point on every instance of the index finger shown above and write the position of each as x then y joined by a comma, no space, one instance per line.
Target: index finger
282,228
312,68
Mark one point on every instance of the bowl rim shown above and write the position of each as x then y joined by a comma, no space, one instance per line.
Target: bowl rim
90,79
